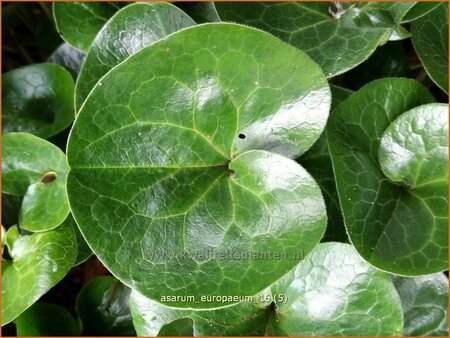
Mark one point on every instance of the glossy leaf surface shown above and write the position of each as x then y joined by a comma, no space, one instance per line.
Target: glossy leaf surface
337,36
425,304
160,162
390,163
45,319
151,319
430,39
39,261
68,57
37,99
420,9
128,31
332,291
37,170
79,22
102,305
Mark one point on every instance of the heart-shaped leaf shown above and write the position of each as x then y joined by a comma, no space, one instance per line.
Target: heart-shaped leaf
317,162
37,170
45,319
425,304
128,31
332,292
39,261
102,305
161,172
338,36
430,39
79,22
37,99
68,57
391,174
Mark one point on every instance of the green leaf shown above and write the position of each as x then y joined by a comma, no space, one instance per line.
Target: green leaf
37,99
177,179
68,57
242,319
390,163
430,39
45,319
79,22
128,31
102,305
39,261
332,292
337,36
10,237
317,162
37,170
420,9
200,12
425,304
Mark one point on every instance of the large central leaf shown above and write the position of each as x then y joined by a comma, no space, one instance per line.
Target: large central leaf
172,182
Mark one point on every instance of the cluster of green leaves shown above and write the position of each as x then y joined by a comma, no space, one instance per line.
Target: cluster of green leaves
200,130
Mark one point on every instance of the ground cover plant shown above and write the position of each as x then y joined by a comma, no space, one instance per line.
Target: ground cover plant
225,168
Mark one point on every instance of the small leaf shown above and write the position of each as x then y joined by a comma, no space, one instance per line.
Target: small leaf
338,36
37,99
334,292
37,170
430,39
79,22
395,210
102,305
128,31
425,304
10,237
44,319
39,261
68,57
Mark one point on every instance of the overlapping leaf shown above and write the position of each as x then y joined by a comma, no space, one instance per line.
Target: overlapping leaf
39,261
161,169
68,57
46,319
430,39
128,31
37,170
391,173
333,291
338,36
37,99
425,304
79,22
102,305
